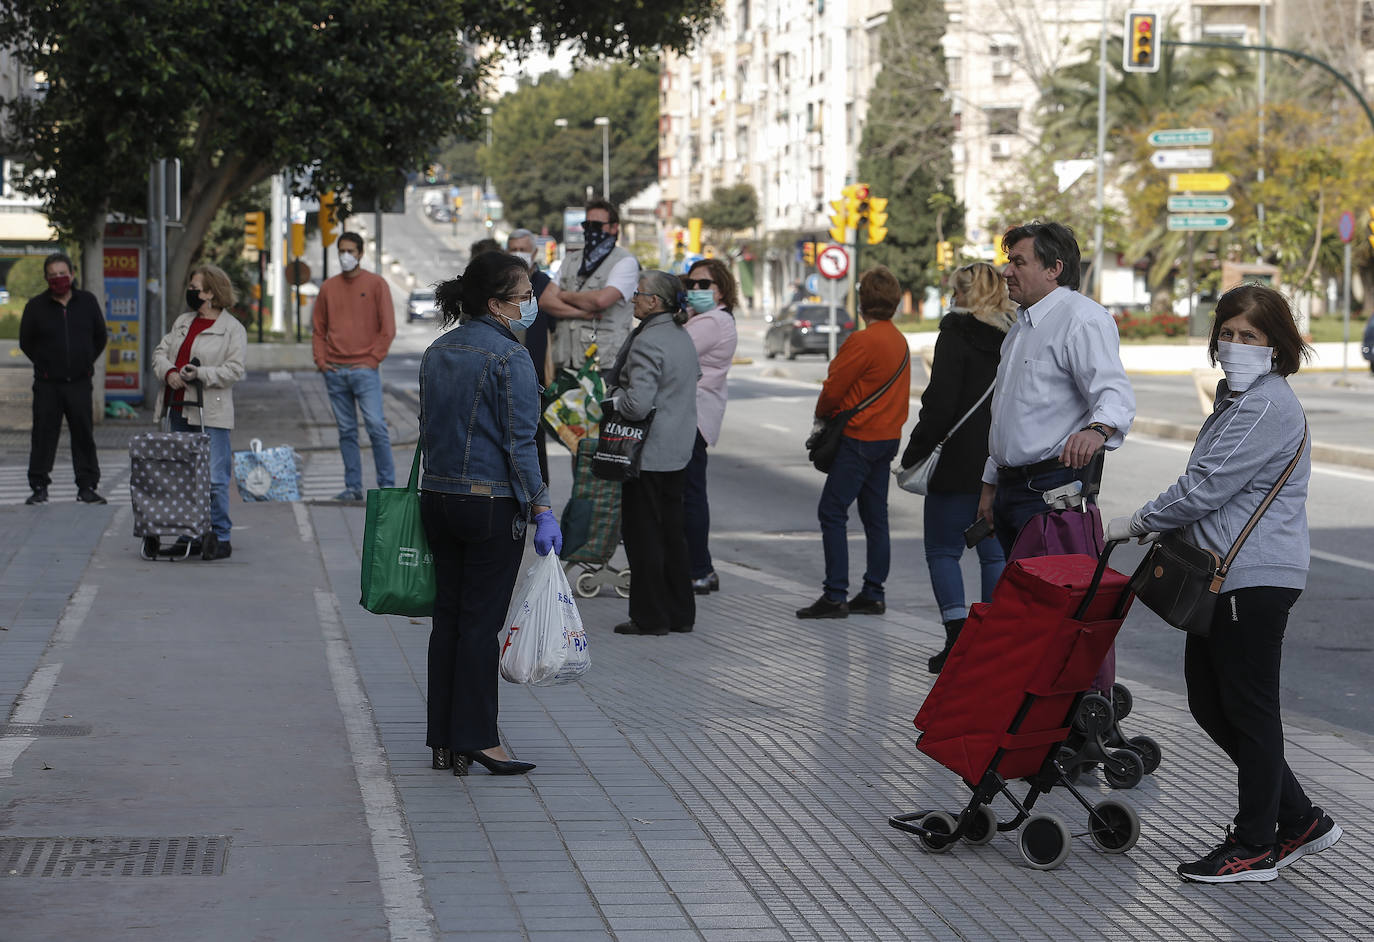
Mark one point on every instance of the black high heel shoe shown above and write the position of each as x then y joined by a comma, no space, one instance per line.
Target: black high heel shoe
494,766
443,759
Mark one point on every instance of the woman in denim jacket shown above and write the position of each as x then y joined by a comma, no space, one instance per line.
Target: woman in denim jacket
1255,429
479,407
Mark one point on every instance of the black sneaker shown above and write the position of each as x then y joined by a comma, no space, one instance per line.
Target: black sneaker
1232,862
863,605
824,608
1315,834
87,495
39,496
634,628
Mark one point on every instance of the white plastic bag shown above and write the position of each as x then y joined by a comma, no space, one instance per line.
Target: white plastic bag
545,642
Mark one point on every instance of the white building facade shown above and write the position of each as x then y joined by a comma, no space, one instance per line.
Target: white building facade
776,96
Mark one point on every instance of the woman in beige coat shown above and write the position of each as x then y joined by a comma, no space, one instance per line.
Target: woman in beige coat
207,343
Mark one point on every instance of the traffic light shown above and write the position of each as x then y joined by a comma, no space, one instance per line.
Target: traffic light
255,230
297,239
809,253
550,251
1371,227
694,235
1141,46
877,219
999,253
329,219
839,221
944,256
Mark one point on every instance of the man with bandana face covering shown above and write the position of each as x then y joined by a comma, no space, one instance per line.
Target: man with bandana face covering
598,281
62,332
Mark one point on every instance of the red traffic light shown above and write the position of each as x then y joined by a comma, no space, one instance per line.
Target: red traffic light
861,191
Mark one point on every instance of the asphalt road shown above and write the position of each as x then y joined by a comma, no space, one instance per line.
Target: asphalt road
764,492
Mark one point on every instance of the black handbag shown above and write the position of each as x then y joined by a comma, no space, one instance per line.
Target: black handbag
1181,582
824,442
620,444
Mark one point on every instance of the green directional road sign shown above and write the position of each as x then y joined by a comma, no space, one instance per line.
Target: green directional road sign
1182,137
1198,223
1200,204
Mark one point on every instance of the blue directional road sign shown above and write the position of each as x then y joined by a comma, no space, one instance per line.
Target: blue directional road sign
1200,204
1199,223
1181,137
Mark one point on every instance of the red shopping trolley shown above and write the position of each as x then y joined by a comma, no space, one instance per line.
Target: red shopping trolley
1008,698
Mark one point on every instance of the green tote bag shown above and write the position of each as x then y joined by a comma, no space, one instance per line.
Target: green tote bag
398,569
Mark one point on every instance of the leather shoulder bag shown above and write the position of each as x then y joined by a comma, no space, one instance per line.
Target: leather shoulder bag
824,442
1180,581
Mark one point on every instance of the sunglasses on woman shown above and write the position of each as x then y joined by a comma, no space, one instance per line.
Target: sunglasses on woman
702,283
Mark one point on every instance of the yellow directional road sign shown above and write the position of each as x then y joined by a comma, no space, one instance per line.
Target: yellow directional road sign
1200,182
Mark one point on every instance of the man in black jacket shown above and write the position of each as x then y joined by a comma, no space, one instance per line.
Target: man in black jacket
62,332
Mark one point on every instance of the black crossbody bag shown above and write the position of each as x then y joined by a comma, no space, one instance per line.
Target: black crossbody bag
824,443
1180,581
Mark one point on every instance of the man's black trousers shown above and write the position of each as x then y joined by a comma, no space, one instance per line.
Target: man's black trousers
52,400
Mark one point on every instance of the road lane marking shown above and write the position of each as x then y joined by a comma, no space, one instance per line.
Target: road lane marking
403,894
303,521
1343,560
776,428
1318,467
33,699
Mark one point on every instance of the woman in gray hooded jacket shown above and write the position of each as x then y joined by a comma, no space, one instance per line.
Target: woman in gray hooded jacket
1255,429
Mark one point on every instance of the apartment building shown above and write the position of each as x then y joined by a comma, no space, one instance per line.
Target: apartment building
776,95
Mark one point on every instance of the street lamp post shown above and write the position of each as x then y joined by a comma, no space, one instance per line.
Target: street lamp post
605,125
487,191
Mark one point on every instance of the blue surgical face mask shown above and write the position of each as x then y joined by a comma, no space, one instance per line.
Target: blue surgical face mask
701,300
529,310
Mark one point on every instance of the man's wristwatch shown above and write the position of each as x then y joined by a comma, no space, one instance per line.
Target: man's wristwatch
1100,429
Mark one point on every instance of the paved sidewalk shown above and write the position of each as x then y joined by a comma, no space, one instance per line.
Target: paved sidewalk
731,783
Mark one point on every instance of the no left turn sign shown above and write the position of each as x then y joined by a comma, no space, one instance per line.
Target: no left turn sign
833,262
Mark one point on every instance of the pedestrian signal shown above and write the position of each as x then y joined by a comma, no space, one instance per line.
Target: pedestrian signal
255,230
808,253
1141,48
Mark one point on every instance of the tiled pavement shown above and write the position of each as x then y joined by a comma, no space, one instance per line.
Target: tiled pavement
735,783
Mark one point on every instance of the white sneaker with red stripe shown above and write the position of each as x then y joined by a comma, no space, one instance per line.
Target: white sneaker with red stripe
1232,862
1315,834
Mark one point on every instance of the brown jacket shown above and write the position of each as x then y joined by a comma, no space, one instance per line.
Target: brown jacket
353,321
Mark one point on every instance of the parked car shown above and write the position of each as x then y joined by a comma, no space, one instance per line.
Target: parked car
421,306
1367,344
4,295
802,327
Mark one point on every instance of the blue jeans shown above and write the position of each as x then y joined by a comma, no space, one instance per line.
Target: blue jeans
360,387
1020,497
946,518
221,469
860,472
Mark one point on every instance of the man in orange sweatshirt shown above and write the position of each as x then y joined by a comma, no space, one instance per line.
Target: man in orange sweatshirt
867,360
354,325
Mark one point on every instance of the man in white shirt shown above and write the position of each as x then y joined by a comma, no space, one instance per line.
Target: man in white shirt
1062,395
598,282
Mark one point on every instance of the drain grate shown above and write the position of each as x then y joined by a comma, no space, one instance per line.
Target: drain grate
196,856
40,729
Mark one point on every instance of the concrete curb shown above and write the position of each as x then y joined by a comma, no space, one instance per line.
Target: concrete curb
1329,454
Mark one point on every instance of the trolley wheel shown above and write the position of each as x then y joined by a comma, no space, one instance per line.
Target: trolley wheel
149,548
937,823
622,584
1123,769
983,827
585,586
1122,701
1044,841
1094,715
1149,751
1114,826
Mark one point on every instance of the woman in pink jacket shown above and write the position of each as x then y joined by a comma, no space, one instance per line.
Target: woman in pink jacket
711,299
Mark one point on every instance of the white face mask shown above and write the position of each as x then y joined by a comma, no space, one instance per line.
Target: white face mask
348,261
526,257
1243,363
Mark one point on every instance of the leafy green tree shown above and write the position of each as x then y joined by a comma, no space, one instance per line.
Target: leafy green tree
906,153
241,90
539,168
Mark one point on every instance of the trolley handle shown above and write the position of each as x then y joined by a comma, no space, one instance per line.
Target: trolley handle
1097,582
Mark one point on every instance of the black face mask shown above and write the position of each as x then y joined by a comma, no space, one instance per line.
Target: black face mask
193,299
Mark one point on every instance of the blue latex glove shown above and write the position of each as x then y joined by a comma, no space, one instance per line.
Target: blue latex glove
547,536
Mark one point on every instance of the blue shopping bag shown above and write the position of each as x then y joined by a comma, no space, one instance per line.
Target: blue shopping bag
268,473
